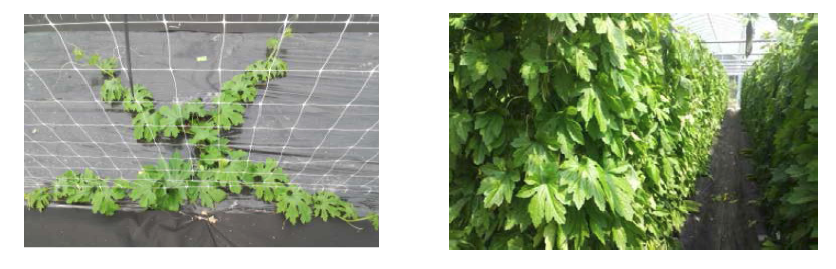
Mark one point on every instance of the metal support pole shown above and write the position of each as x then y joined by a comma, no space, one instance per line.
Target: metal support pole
128,49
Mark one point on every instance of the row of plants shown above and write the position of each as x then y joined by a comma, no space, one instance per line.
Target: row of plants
577,131
174,182
780,112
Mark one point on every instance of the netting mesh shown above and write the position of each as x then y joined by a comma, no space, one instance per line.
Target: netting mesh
320,121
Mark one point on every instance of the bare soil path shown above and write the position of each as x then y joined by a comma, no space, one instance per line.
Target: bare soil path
729,218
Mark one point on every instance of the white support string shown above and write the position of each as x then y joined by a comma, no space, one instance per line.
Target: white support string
220,69
202,22
178,170
92,94
49,171
206,70
49,152
154,125
124,70
350,148
267,87
57,136
266,184
171,102
68,114
313,89
361,169
152,158
171,69
220,75
176,144
37,184
324,138
374,178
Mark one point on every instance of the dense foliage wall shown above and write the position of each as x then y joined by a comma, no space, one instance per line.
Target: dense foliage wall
581,131
780,111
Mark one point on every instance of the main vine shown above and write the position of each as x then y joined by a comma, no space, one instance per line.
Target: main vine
174,182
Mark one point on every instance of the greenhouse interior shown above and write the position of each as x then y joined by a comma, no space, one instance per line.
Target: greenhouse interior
633,131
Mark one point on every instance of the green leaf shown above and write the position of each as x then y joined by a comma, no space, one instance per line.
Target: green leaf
143,192
460,126
295,204
78,54
229,113
619,235
271,178
532,68
171,119
38,198
546,200
575,131
618,193
598,224
590,105
582,63
237,170
272,43
619,47
566,18
94,59
583,182
193,108
498,186
108,66
580,18
139,100
112,90
327,204
452,66
653,174
206,189
490,127
203,132
601,25
812,99
241,88
549,235
146,125
288,32
373,217
456,209
104,200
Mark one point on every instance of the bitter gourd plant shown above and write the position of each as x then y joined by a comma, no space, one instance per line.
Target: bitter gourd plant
174,182
779,105
576,131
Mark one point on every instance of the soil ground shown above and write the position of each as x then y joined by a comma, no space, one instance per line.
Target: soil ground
69,227
728,217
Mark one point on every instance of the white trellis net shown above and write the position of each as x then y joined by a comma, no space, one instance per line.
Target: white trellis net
320,121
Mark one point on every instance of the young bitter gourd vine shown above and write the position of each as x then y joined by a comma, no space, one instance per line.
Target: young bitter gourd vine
173,182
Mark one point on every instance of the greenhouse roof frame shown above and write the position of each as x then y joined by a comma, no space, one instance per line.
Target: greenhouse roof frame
725,35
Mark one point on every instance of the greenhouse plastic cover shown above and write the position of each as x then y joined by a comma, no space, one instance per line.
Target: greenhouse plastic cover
320,121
